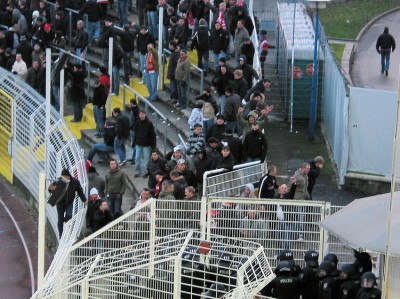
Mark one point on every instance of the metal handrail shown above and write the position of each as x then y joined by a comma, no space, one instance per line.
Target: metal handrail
149,106
87,68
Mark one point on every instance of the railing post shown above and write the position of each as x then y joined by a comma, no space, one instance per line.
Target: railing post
70,28
152,236
160,41
61,90
41,229
110,70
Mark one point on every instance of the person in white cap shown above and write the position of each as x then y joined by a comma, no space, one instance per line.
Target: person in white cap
93,205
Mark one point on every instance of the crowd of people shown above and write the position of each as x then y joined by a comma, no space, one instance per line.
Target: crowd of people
32,29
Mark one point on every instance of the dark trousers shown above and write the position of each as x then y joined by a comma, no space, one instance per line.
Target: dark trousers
114,202
64,214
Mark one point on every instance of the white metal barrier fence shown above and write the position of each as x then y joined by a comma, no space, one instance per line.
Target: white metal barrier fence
35,146
180,265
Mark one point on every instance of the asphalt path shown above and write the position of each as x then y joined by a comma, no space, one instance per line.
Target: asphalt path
18,245
366,69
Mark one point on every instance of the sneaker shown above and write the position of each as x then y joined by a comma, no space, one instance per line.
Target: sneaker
177,105
386,73
300,238
133,162
137,175
113,94
122,163
141,82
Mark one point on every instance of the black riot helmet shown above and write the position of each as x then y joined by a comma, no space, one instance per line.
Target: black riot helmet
346,271
331,257
283,267
311,258
325,269
285,255
368,280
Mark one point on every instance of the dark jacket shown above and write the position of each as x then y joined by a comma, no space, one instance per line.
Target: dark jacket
26,52
127,39
106,33
220,81
219,41
216,131
248,51
173,62
190,177
223,162
267,186
118,54
151,5
312,176
201,166
99,95
201,39
197,8
233,102
143,40
34,78
101,219
81,39
179,188
259,86
235,145
93,11
385,41
77,93
240,87
248,73
122,126
152,168
74,187
145,134
109,135
255,146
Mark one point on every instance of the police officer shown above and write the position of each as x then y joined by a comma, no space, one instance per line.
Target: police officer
308,275
223,273
327,284
367,291
331,257
193,274
284,285
348,284
362,263
287,255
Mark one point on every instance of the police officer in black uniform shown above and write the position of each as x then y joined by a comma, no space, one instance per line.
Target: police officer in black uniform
327,284
349,285
284,285
287,255
368,291
308,275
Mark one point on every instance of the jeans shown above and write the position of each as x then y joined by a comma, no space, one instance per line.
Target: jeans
203,56
115,80
152,23
93,30
79,52
142,60
174,89
61,210
385,59
128,69
119,147
98,112
217,57
78,113
182,90
100,148
151,83
133,145
122,12
114,202
222,102
56,94
146,156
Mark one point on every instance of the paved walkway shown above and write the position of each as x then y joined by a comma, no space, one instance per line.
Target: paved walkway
366,70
